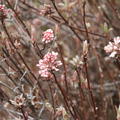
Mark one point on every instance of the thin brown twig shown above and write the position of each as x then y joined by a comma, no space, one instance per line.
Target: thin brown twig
89,87
66,22
23,24
64,96
10,39
86,59
52,98
58,20
78,29
84,21
24,116
64,66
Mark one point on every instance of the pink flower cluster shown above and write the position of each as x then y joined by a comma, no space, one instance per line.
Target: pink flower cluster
113,47
48,36
48,63
3,11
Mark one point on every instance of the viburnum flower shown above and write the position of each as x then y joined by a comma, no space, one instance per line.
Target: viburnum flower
48,63
3,11
48,36
61,111
19,101
76,61
46,10
48,106
113,47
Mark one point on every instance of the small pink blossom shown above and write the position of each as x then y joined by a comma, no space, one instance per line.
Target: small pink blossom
48,36
48,63
113,54
3,11
113,47
117,40
18,101
2,7
109,48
